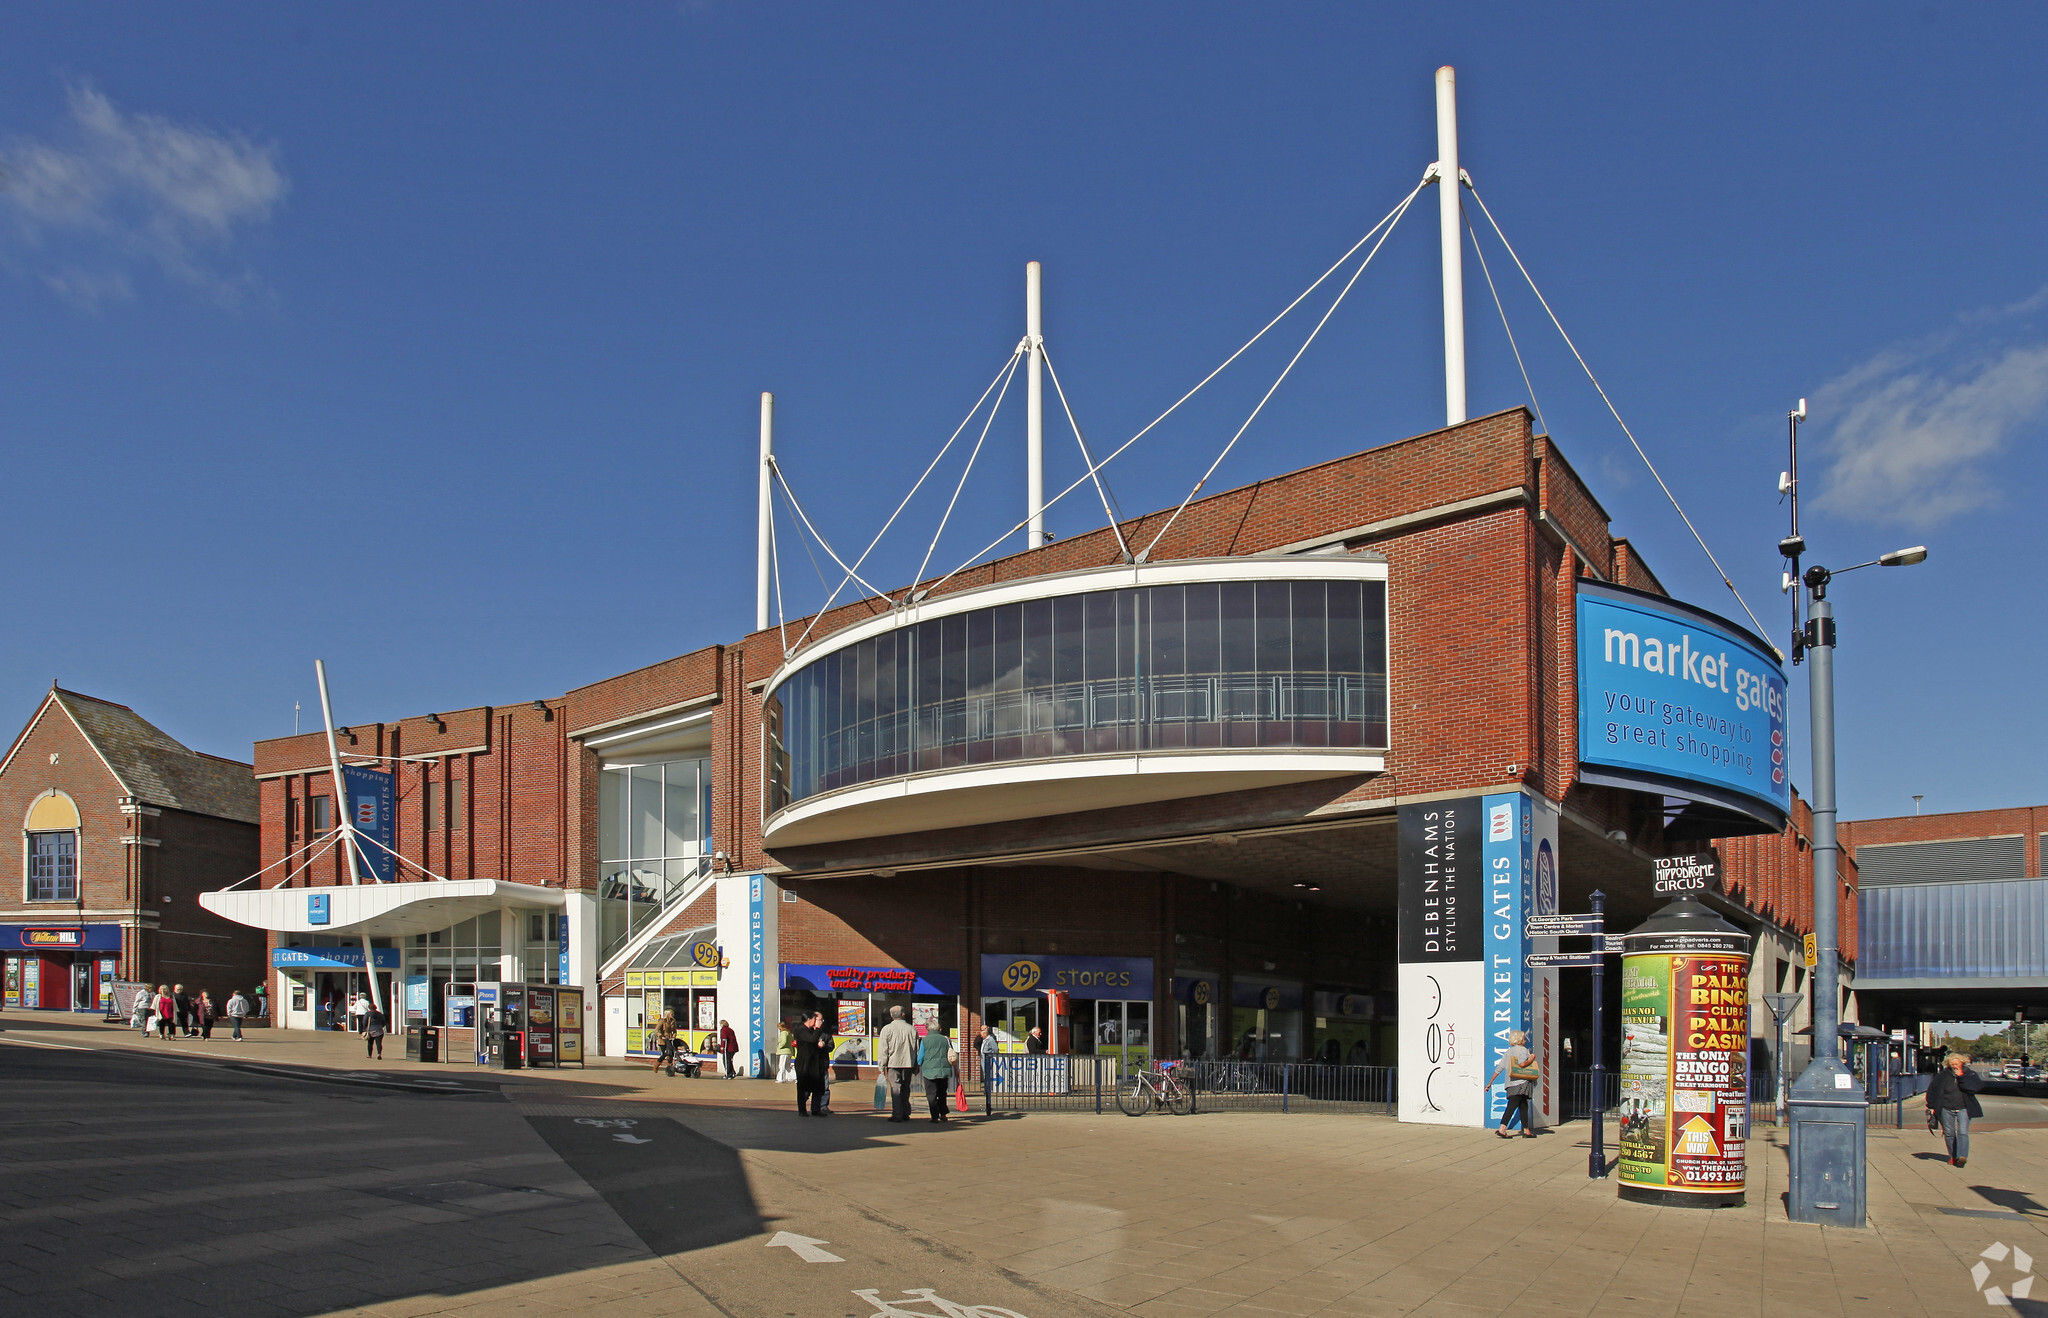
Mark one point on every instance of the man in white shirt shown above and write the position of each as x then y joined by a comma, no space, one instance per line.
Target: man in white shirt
359,1013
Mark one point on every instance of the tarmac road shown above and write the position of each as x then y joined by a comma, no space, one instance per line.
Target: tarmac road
142,1184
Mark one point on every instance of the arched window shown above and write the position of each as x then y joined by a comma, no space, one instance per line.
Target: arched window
52,848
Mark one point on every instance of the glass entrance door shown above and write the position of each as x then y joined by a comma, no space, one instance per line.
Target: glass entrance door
1117,1029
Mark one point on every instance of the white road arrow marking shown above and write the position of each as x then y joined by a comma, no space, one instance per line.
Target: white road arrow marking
804,1248
624,1138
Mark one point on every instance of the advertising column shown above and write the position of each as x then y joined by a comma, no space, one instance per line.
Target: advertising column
1684,1059
750,987
1442,974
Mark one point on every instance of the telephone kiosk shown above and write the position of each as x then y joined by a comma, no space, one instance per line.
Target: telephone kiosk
501,1026
527,1025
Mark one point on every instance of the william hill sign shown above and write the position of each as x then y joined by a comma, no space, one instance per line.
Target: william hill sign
1698,872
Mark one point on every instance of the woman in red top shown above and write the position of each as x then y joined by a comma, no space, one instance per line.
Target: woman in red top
166,1011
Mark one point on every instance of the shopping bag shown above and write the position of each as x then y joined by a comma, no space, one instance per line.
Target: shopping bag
960,1096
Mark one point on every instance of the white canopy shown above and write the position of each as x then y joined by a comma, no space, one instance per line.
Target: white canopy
379,910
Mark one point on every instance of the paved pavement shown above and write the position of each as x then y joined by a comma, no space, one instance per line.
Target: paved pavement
286,1176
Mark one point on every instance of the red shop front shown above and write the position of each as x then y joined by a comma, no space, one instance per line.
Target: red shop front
59,967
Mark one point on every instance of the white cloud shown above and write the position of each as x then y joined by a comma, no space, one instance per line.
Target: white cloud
1915,429
112,193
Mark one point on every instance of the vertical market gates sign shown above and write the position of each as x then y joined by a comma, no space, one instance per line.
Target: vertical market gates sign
1472,872
370,813
1674,699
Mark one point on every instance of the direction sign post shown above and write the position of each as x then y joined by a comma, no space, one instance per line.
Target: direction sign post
1782,1006
1565,926
1596,1161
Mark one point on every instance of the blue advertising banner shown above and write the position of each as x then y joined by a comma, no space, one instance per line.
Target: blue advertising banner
562,948
317,907
1505,855
56,938
330,958
1005,976
757,988
370,806
872,979
1682,696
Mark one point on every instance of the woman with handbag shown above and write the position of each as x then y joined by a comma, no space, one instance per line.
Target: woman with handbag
1952,1101
935,1057
1522,1072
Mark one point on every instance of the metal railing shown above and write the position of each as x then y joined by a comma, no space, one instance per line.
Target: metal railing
1579,1094
1038,1082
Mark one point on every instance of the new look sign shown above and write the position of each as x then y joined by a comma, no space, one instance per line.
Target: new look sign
1679,696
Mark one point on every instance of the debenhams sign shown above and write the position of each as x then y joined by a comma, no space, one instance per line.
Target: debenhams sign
1699,872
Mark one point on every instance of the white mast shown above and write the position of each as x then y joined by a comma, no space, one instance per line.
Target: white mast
1449,190
1034,412
348,825
763,550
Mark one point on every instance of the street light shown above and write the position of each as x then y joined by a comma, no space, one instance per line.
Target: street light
1827,1108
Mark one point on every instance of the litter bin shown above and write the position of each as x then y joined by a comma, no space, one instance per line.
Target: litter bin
415,1042
430,1044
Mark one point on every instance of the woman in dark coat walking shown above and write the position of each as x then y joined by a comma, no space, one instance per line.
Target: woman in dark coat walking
1952,1100
373,1034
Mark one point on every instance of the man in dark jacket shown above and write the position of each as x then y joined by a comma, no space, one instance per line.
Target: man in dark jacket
1952,1098
813,1060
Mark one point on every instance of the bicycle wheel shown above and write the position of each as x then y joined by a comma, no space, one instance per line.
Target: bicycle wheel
1179,1100
1134,1097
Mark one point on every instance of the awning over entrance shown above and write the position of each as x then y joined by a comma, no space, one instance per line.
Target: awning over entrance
380,910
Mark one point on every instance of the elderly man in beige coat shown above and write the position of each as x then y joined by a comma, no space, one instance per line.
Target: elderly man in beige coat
896,1054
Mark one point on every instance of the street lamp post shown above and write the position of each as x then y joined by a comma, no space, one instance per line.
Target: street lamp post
1826,1107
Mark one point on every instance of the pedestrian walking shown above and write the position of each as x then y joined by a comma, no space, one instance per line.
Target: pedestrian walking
262,1003
935,1058
1952,1101
203,1015
896,1055
665,1042
729,1049
238,1011
1522,1072
1034,1042
359,1013
812,1059
166,1011
991,1055
181,1009
373,1033
785,1053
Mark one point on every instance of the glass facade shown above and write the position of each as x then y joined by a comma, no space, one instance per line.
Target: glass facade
654,822
1298,664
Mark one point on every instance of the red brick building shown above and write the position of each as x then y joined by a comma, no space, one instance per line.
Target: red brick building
1199,830
121,828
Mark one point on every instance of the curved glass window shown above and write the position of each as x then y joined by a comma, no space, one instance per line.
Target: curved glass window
1299,664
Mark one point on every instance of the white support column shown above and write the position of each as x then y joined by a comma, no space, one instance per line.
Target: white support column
750,985
1034,412
345,819
1449,188
763,550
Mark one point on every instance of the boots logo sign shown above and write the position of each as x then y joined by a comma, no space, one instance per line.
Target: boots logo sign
2020,1279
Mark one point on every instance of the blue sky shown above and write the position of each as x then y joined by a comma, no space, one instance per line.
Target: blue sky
430,341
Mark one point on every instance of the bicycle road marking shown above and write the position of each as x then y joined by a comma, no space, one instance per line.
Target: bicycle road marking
928,1295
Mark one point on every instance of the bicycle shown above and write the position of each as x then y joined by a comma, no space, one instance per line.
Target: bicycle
1148,1091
